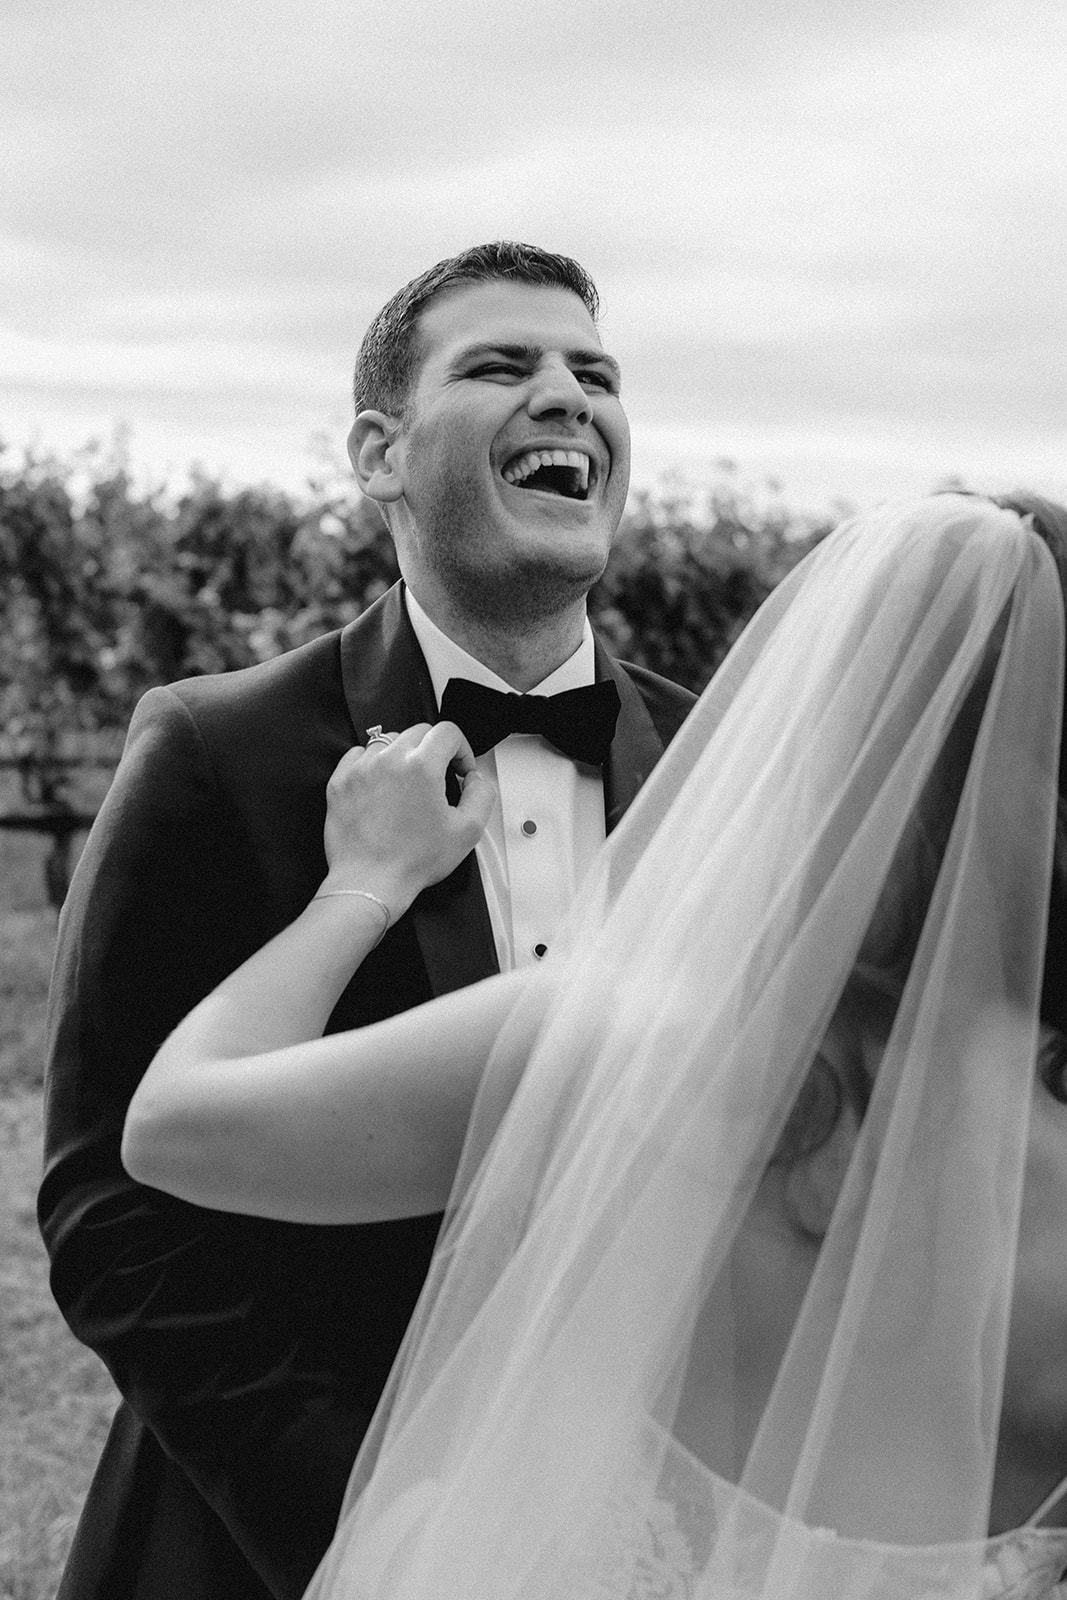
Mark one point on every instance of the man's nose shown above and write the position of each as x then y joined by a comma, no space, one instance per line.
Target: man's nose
556,392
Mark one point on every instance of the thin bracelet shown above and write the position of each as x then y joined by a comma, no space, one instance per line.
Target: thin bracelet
361,894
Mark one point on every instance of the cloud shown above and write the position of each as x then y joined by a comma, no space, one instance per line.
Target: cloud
819,221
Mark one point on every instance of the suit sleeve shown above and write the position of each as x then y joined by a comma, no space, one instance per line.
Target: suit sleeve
238,1376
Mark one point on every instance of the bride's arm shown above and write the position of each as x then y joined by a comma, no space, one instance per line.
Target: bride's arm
245,1108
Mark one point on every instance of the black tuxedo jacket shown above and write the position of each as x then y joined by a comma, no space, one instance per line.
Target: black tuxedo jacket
250,1353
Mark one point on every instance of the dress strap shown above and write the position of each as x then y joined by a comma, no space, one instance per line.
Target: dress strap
1049,1503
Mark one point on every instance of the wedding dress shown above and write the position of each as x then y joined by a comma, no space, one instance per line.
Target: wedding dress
722,1307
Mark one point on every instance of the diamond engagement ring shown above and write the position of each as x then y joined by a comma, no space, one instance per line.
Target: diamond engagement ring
376,736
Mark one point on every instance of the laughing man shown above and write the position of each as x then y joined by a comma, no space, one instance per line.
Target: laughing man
251,1354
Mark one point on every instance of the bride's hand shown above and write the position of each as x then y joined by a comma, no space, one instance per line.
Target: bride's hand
389,827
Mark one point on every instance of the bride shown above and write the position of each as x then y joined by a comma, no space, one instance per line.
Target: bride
753,1280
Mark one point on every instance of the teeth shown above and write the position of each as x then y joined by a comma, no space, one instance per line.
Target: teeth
521,468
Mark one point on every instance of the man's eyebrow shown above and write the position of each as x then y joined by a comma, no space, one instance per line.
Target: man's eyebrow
532,353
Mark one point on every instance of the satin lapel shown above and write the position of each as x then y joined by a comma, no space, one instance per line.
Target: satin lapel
386,681
636,746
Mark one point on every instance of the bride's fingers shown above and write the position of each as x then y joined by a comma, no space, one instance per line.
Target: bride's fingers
477,802
405,739
411,738
388,820
447,744
444,747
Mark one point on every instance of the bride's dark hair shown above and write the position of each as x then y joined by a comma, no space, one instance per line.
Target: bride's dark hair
872,994
1050,523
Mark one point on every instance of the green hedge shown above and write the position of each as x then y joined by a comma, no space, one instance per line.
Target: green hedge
107,589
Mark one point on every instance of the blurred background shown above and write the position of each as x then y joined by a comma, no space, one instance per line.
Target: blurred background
829,241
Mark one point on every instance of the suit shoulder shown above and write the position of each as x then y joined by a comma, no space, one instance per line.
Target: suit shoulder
271,692
668,703
284,674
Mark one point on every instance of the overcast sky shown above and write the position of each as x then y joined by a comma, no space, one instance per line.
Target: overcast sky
830,235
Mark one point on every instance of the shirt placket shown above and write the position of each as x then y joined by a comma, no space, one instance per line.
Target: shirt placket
540,879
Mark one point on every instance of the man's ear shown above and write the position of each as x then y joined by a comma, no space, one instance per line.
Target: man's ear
374,461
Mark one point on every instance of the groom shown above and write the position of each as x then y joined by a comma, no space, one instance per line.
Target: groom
250,1353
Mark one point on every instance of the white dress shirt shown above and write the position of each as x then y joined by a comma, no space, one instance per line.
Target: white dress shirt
549,825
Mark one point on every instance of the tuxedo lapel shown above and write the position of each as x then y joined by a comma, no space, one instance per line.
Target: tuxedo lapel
636,746
386,682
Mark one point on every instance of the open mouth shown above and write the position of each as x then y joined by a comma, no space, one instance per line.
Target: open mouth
569,473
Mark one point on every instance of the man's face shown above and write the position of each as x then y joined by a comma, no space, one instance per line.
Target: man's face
514,451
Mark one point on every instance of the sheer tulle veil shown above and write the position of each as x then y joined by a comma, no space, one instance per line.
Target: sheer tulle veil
721,1305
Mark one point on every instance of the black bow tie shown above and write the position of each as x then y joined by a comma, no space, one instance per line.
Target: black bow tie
580,723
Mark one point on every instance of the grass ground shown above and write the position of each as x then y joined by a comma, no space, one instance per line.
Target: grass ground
56,1398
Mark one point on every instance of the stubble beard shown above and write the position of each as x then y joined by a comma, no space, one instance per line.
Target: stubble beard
521,596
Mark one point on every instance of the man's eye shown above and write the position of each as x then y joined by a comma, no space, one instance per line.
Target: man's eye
598,380
1052,1065
496,369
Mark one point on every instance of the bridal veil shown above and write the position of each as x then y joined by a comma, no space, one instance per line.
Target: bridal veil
722,1303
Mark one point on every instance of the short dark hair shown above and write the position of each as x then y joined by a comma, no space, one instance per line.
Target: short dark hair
388,358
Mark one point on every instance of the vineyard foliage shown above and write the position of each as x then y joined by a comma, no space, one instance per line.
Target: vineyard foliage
107,589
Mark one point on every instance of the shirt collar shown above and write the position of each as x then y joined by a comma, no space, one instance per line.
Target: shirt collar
446,659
